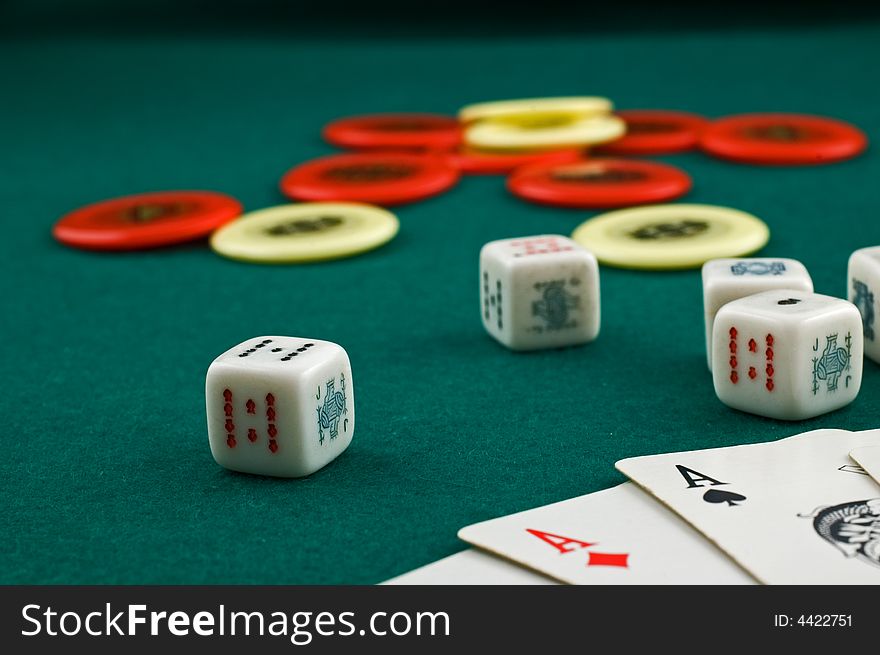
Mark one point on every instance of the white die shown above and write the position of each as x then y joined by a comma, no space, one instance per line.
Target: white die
281,406
730,279
787,354
539,292
863,283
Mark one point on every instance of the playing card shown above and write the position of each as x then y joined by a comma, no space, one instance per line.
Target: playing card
868,457
617,536
794,511
470,567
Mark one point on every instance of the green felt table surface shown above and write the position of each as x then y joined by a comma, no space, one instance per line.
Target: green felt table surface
107,476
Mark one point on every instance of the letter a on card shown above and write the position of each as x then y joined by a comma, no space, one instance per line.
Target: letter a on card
693,478
560,543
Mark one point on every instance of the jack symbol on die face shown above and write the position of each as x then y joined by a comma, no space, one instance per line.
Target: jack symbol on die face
833,362
331,411
863,298
554,305
789,301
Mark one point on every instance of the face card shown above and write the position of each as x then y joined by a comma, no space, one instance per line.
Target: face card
868,457
617,536
793,511
470,567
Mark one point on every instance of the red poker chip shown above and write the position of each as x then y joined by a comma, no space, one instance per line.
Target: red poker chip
147,220
599,183
657,132
500,163
395,131
389,178
782,139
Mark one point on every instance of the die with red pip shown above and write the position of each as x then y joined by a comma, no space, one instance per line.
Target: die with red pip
279,406
539,292
787,354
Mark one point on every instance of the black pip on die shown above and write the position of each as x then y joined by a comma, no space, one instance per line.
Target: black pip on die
281,406
725,280
787,354
863,283
539,292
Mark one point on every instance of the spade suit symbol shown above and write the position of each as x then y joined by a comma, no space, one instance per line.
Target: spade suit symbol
718,496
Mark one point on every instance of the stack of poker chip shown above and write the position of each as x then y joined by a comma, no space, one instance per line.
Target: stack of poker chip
537,124
573,152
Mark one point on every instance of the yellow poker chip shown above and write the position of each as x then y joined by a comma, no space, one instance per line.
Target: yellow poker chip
543,131
578,105
305,232
665,237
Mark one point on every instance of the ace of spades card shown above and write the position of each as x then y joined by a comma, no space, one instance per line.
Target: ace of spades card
793,511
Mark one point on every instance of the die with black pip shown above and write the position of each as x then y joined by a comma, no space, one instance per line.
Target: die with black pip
539,292
787,354
279,406
725,280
